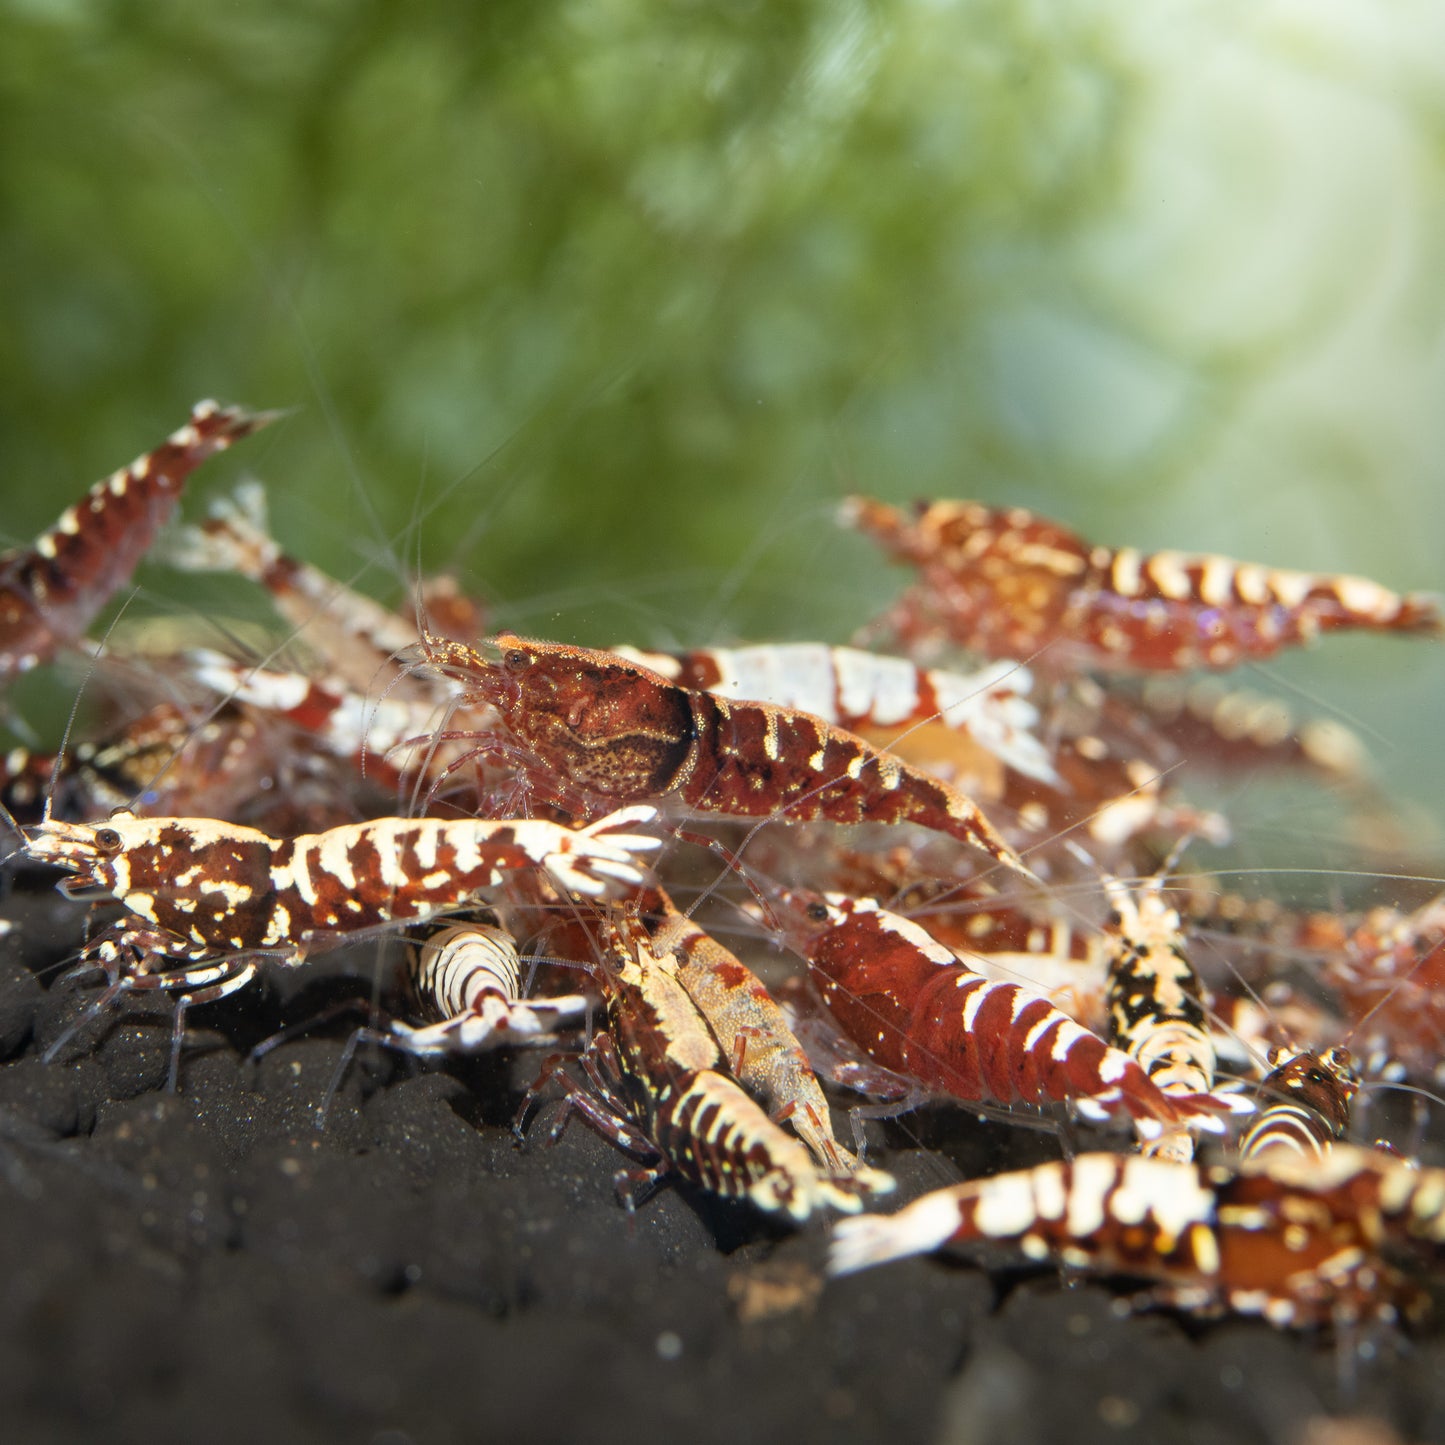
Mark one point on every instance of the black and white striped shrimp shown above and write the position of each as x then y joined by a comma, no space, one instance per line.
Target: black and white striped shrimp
51,591
1298,1241
466,980
1156,1002
660,1090
1304,1104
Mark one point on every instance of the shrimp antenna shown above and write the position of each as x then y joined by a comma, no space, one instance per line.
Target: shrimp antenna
75,707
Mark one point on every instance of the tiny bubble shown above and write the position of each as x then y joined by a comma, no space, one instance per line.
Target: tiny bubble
669,1345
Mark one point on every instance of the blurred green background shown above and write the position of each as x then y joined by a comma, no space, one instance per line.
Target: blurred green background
613,301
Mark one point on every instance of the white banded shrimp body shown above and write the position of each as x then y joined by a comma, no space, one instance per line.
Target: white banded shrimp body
921,1012
979,723
590,729
761,1050
465,981
659,1087
1006,582
205,899
462,995
1040,763
51,591
1302,1242
1156,1004
1304,1104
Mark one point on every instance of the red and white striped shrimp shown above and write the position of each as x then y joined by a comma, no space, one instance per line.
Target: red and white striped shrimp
211,897
1008,942
1299,1242
596,728
978,731
51,591
1007,583
222,887
988,713
1230,728
1304,1104
921,1012
366,731
660,1090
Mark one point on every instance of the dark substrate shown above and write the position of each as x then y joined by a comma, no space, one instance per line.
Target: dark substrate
211,1266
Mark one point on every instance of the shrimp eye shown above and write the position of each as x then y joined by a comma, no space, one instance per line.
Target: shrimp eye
516,660
108,840
818,912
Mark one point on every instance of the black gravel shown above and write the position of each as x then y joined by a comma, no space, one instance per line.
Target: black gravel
211,1265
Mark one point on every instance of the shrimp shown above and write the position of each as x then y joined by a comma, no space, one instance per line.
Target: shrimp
921,1012
51,591
599,727
1007,583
